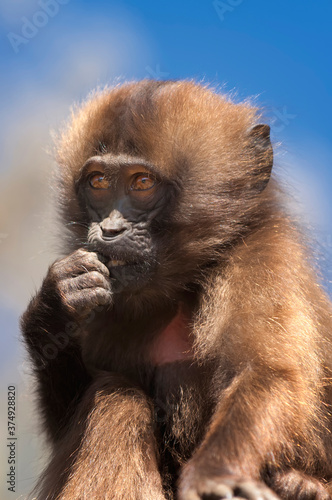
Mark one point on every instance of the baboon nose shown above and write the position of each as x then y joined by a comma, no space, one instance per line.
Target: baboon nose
113,226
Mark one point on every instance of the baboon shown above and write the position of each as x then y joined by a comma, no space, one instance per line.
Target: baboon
182,344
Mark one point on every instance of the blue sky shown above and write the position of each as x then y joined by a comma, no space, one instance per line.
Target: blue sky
279,51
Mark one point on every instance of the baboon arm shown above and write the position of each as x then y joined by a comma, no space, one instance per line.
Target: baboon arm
255,422
109,451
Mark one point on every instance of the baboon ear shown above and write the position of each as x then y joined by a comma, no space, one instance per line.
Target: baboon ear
261,147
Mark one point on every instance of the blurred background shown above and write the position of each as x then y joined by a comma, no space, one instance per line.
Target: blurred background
53,52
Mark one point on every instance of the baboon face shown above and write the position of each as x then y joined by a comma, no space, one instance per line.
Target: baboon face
125,202
170,181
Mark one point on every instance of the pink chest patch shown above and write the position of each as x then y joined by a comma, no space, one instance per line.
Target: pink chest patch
173,343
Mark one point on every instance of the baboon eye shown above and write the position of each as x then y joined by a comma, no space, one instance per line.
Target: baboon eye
142,182
97,180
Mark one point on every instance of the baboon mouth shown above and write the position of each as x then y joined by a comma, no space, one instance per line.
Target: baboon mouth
122,263
116,263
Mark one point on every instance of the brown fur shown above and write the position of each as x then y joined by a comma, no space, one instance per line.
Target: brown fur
254,404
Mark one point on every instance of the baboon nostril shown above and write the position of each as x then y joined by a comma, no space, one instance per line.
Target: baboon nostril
111,233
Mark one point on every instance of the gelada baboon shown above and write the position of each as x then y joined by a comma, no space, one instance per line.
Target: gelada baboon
182,346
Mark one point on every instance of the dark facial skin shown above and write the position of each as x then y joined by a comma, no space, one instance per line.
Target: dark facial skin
125,200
